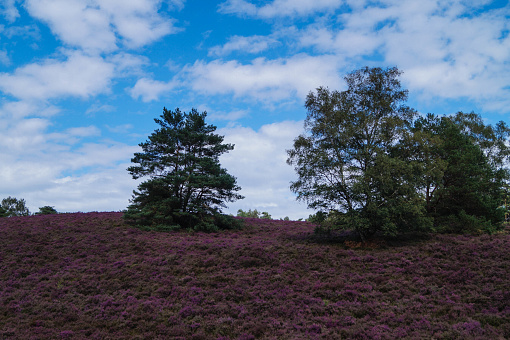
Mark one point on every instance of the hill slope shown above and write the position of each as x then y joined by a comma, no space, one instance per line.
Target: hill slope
87,275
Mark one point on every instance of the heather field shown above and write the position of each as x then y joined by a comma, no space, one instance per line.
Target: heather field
89,276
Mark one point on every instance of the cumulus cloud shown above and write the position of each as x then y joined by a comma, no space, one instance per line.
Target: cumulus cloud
127,64
98,25
252,44
78,76
8,10
279,8
264,79
259,163
4,58
107,190
446,49
54,168
230,115
150,89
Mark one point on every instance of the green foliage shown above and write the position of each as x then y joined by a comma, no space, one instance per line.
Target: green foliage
318,217
186,186
12,206
254,214
3,212
348,160
46,210
366,159
467,190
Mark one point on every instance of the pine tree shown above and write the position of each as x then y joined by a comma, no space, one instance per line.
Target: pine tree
187,187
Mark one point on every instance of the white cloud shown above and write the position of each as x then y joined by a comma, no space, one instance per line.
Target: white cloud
4,58
446,48
54,168
23,135
149,89
78,76
279,8
127,64
258,161
344,43
98,107
230,116
96,25
9,10
77,22
138,22
252,44
123,129
107,190
264,79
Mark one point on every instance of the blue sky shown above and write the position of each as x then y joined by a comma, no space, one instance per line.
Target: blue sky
82,80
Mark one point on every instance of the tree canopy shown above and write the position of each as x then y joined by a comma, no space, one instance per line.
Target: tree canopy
12,206
346,160
464,170
187,187
377,166
46,210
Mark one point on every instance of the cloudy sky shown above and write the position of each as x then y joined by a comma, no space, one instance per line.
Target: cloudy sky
82,80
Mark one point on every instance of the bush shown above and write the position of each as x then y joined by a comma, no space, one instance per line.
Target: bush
464,223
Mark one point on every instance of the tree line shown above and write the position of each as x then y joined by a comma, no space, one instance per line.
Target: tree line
12,206
370,163
366,162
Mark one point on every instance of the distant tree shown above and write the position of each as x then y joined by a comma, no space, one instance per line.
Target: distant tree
46,210
14,207
186,186
265,215
318,217
254,214
249,213
3,212
348,160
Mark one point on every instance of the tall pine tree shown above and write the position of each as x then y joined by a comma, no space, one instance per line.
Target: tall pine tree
187,187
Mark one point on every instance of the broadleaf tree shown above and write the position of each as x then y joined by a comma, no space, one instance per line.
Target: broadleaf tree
187,187
374,165
348,160
13,206
46,210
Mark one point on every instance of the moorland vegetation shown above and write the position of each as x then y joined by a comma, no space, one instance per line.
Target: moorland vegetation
434,188
92,276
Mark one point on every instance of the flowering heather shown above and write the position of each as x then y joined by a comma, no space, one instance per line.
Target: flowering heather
88,275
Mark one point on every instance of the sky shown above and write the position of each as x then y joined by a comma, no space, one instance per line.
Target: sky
81,82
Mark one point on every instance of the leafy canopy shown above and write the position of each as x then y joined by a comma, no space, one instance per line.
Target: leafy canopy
254,214
12,206
463,162
347,160
46,210
367,160
187,185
